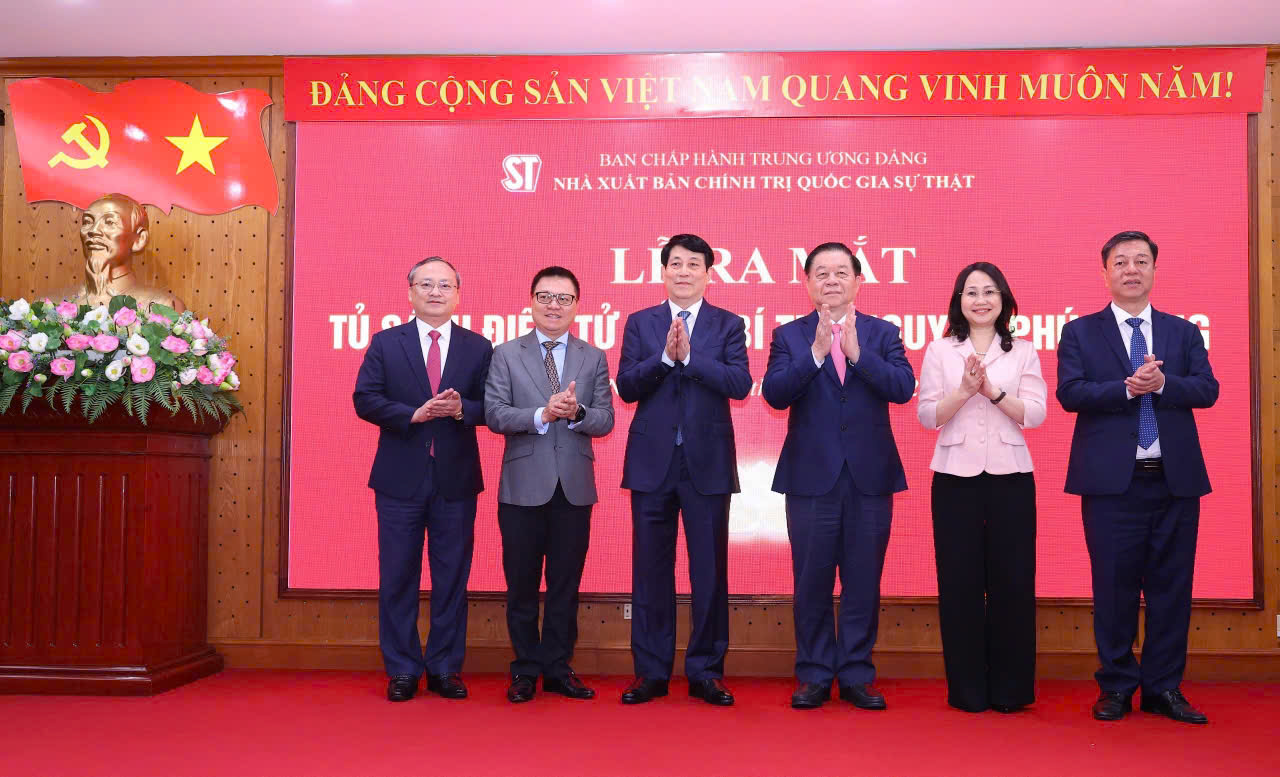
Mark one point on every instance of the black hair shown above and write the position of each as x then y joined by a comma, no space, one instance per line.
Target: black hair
555,271
958,325
691,243
1124,237
841,247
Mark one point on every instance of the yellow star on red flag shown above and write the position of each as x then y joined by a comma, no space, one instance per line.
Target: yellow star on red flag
196,147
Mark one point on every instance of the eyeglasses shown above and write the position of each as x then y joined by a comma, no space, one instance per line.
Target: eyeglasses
546,297
984,294
426,286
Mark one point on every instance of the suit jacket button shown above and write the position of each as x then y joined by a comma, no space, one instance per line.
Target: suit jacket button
842,397
844,427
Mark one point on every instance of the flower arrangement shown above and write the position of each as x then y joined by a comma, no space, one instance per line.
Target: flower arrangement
114,353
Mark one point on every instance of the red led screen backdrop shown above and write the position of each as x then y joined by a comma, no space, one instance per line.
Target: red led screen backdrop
919,198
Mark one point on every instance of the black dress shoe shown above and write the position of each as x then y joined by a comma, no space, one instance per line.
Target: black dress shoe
402,687
569,685
862,696
1112,705
1172,704
1008,709
522,688
712,691
447,685
642,690
810,696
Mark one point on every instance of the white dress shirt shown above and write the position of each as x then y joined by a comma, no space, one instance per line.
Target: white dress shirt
424,340
1126,337
688,328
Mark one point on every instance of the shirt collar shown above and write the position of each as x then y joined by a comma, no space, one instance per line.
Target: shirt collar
1123,316
425,329
693,309
562,339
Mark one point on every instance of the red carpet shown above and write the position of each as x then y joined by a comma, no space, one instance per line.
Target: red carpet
245,722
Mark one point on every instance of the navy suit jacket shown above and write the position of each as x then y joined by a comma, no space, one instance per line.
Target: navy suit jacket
831,425
1093,361
392,384
694,397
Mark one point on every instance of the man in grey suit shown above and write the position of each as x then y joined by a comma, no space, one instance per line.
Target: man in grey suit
548,393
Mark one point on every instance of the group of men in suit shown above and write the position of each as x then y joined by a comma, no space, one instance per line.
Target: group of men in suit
429,384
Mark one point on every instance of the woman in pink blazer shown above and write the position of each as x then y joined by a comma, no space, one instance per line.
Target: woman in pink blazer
980,387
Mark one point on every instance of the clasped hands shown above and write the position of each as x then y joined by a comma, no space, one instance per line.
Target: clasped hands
974,380
822,338
677,341
446,404
1147,378
562,404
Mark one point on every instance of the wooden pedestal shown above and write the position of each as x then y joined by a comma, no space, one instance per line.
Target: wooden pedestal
103,553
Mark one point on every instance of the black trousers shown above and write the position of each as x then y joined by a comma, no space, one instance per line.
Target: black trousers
984,539
556,533
654,517
1141,543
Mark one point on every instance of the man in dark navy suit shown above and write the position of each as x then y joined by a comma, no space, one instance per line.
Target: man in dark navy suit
836,370
682,360
1132,375
423,383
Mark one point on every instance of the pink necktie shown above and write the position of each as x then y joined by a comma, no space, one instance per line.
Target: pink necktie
433,371
837,353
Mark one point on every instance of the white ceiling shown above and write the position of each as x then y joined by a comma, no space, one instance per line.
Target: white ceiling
45,28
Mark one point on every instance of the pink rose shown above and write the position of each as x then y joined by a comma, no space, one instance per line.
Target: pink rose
174,344
78,342
125,317
205,376
21,362
156,318
62,367
142,368
67,309
200,330
10,341
106,343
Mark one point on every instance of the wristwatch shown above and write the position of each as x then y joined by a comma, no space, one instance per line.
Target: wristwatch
996,401
581,414
458,415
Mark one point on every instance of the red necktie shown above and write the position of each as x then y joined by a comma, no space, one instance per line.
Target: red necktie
837,353
433,372
433,362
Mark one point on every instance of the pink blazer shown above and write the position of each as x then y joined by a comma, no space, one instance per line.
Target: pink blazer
980,437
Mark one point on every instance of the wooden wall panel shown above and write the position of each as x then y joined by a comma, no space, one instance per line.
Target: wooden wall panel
235,268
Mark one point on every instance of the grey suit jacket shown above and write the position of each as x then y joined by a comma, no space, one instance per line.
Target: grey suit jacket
533,463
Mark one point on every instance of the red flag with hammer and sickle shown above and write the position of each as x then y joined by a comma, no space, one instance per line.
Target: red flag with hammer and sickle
160,142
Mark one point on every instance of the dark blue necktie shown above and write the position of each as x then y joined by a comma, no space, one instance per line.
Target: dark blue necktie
684,317
1146,403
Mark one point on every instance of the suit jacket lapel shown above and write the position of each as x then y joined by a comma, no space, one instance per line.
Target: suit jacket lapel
1160,334
573,358
451,363
413,354
1111,333
809,328
661,322
532,355
702,327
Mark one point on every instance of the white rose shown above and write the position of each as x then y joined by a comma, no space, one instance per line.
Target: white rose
19,310
187,376
38,342
98,314
200,347
234,380
138,345
178,329
114,370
